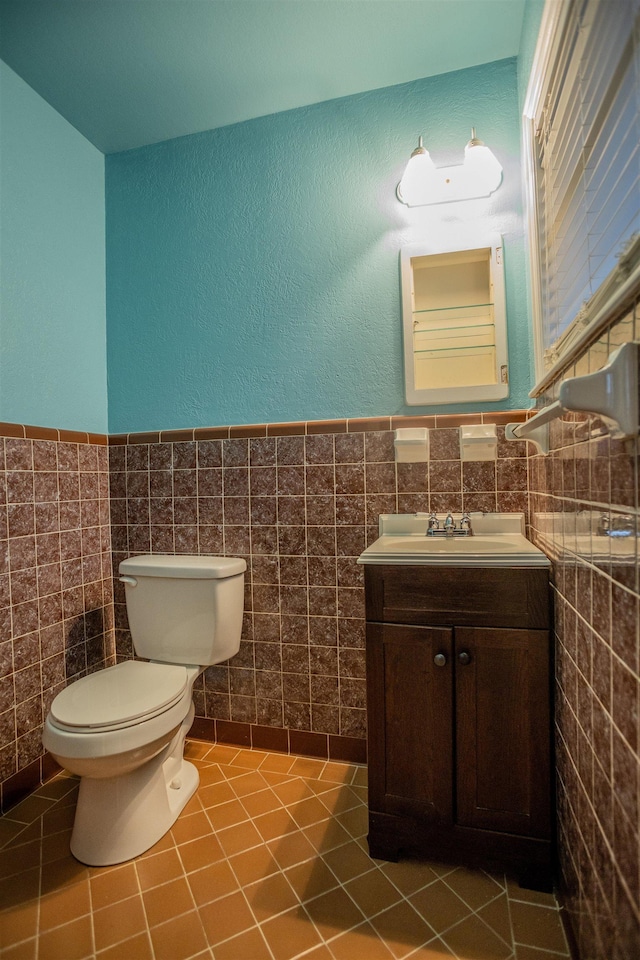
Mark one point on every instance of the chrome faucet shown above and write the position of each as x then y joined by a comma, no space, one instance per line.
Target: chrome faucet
617,526
624,526
449,528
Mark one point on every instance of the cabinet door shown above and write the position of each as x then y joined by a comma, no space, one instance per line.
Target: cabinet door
410,720
503,730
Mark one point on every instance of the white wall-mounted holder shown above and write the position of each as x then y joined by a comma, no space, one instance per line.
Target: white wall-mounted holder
479,441
412,445
610,393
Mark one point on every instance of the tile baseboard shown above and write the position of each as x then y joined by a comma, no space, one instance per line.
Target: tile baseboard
278,739
25,781
324,746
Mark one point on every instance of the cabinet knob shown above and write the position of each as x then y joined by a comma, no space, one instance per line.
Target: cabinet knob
440,660
464,658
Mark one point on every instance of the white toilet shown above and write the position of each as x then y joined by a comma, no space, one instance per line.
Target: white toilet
122,729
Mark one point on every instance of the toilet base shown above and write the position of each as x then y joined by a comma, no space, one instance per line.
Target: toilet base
118,818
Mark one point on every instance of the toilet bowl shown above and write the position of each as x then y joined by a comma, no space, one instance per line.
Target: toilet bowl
122,729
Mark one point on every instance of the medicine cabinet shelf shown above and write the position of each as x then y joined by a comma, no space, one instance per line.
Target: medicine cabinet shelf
610,393
454,323
450,329
458,308
481,350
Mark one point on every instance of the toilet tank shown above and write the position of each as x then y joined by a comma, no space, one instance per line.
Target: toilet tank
184,609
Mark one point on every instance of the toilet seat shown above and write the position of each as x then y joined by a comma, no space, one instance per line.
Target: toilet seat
122,696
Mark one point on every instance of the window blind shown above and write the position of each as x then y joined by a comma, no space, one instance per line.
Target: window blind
587,163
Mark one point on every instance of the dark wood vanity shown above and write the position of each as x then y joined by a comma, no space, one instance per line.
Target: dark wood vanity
459,714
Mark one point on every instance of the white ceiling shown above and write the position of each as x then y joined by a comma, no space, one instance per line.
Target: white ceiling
132,72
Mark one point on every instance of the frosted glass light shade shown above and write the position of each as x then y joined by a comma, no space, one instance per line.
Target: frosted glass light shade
416,186
482,168
423,183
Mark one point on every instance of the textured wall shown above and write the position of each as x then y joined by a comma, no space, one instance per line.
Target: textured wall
253,270
587,475
52,253
56,606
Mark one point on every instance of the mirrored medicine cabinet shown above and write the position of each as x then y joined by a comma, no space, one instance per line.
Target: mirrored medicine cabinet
454,321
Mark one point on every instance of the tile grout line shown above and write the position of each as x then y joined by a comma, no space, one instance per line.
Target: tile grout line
135,862
92,913
250,908
312,781
184,913
282,872
509,913
241,886
39,907
366,916
474,911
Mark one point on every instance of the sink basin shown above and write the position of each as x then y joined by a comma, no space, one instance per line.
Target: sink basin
461,545
493,548
600,549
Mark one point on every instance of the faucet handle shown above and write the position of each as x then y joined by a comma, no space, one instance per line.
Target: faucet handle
465,522
434,523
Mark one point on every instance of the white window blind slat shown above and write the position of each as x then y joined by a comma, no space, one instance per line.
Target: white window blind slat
603,254
574,285
620,134
557,79
567,161
613,194
587,157
605,39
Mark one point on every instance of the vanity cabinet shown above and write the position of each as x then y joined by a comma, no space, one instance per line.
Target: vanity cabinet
459,715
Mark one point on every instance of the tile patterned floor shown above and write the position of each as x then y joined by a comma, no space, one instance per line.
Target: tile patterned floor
267,862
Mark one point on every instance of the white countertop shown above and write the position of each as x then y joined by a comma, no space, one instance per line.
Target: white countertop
498,541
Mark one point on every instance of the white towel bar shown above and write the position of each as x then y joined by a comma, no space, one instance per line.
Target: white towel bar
611,393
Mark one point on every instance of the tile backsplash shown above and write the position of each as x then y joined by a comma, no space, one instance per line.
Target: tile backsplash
300,508
299,501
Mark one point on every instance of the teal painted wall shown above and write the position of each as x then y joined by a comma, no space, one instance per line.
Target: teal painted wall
52,273
528,39
252,271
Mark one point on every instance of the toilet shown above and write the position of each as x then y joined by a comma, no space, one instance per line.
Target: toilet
122,729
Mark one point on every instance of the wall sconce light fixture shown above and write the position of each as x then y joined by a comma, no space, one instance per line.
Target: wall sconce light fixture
423,183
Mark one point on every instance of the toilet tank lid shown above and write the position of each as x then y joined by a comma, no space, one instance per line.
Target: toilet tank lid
187,567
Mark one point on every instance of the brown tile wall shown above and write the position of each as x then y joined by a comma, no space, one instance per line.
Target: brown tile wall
587,475
56,607
299,502
300,507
